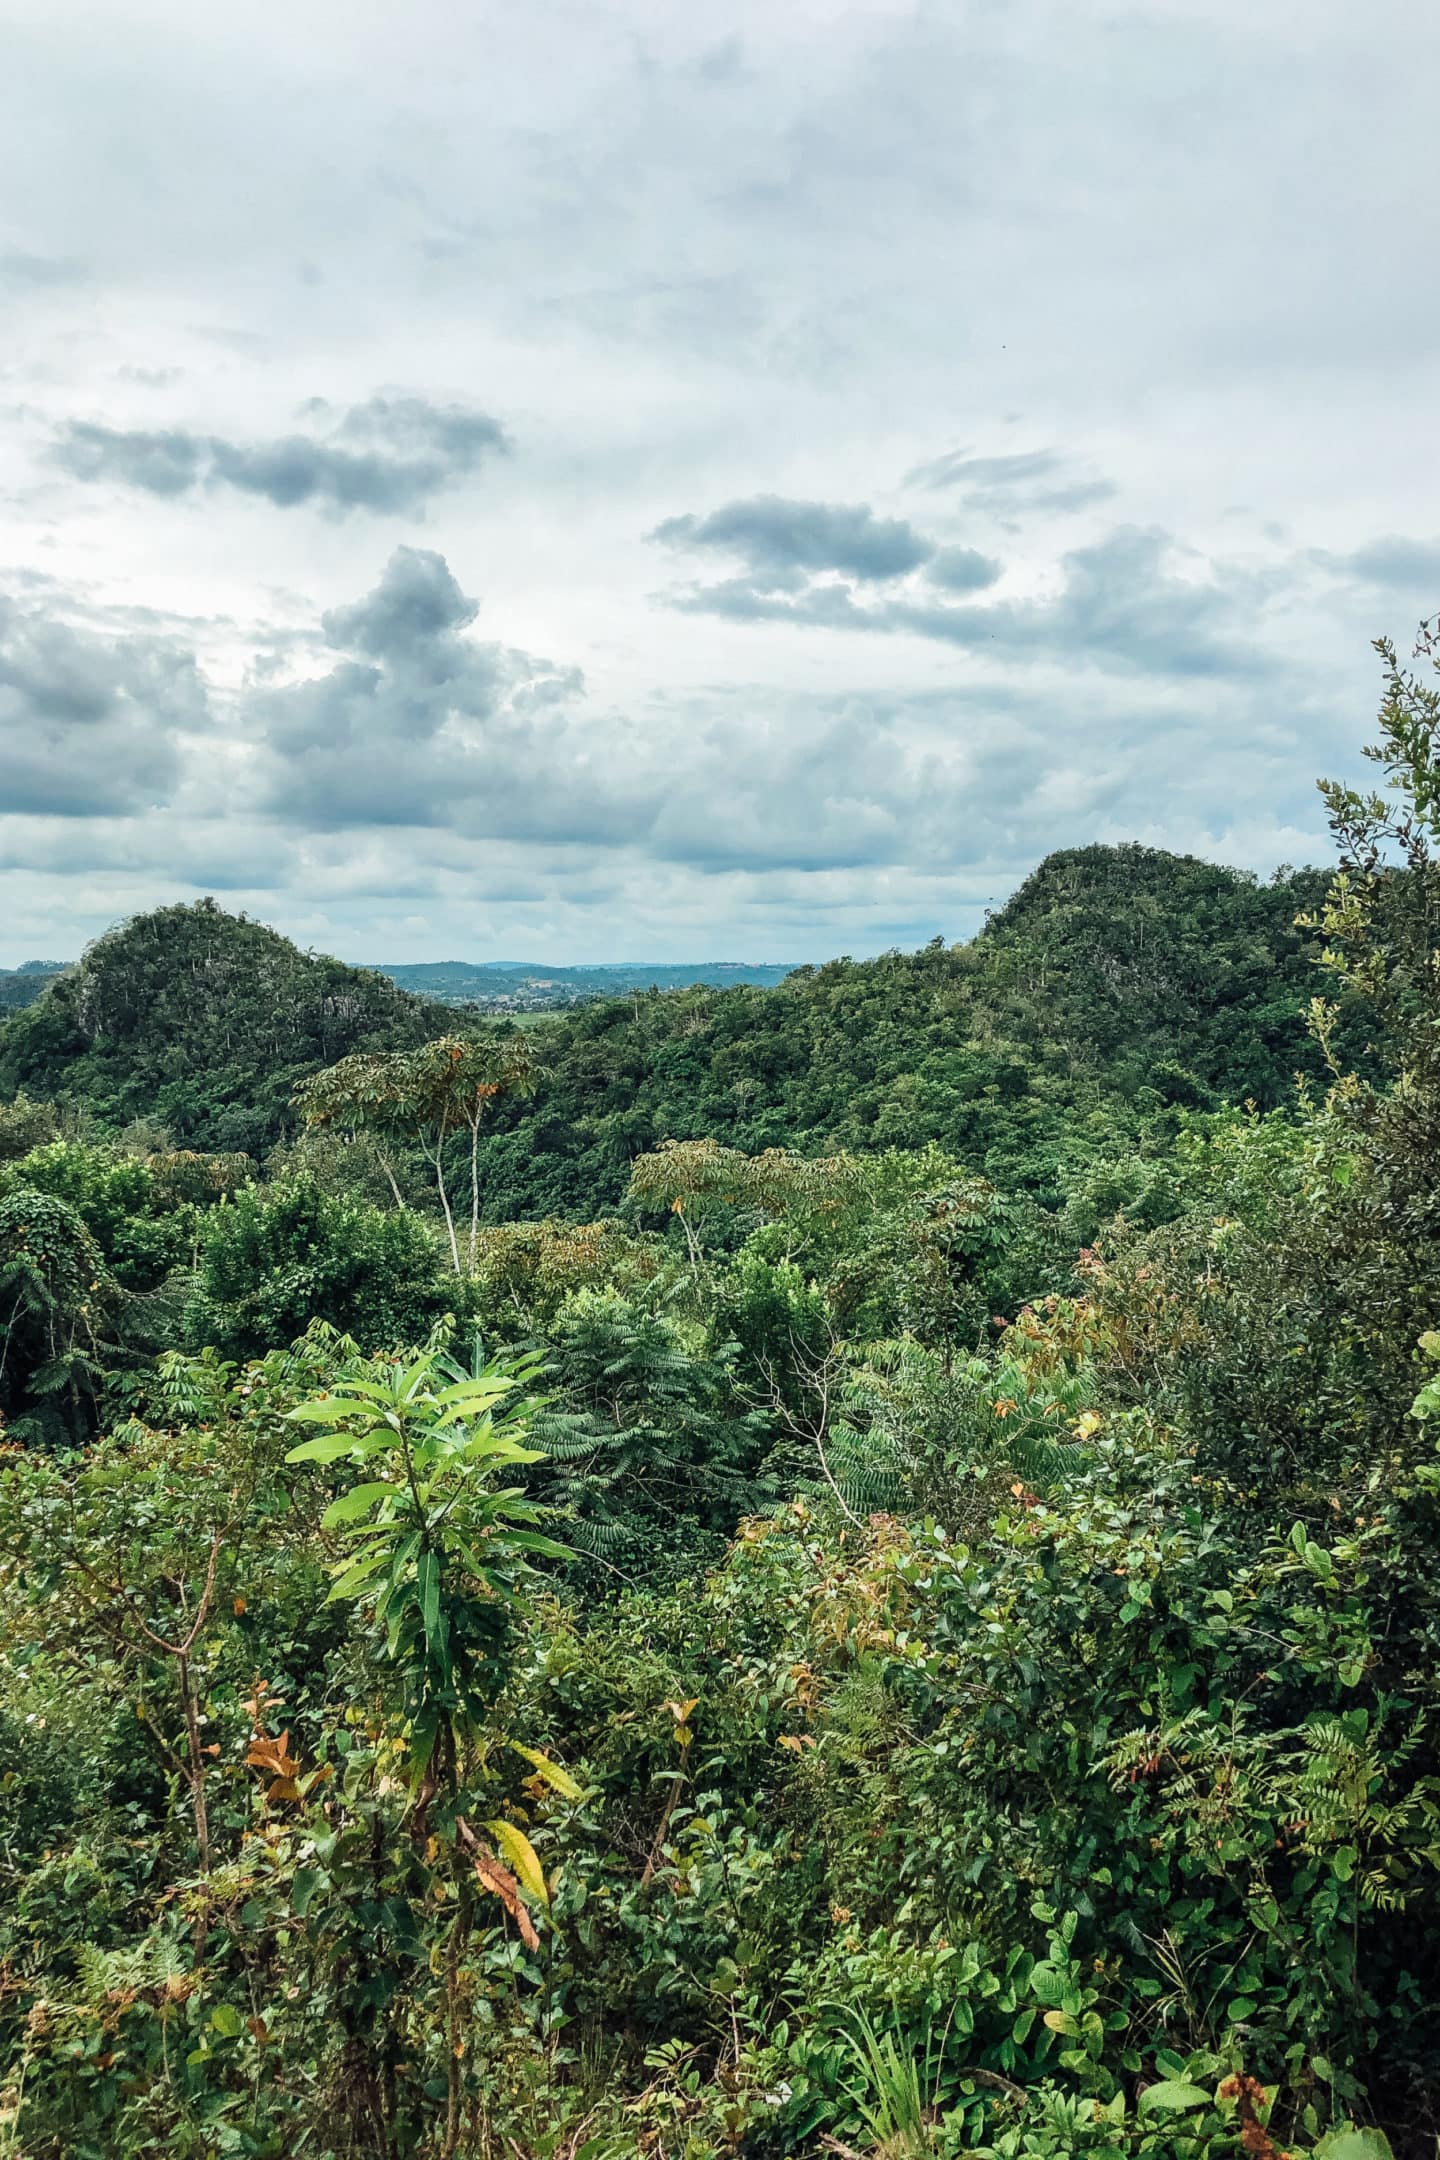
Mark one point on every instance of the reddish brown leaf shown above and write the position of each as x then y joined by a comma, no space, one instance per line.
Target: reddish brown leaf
502,1883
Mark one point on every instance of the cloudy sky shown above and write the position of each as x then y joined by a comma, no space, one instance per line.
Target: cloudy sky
620,480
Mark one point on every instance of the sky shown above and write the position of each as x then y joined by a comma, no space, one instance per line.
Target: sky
624,481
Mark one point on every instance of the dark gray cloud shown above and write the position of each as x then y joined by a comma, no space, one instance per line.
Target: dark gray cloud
164,461
1121,607
416,719
89,724
1023,480
1408,565
824,564
388,455
23,272
413,615
779,538
962,569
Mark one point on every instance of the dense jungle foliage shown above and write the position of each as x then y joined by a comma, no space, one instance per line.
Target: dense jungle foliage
844,1569
1117,980
22,985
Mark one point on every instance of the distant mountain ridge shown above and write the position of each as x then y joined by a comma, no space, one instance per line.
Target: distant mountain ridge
22,985
533,985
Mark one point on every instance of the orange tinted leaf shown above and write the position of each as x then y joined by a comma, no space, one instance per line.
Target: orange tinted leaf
503,1885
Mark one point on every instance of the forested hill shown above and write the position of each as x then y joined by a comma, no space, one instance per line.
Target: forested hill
1116,978
1130,957
205,1021
22,985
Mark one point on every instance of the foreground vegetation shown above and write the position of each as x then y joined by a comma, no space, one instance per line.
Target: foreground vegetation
905,1625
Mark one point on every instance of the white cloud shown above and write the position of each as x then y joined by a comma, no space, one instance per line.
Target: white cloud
1083,278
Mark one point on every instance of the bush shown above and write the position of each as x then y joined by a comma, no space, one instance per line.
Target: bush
274,1259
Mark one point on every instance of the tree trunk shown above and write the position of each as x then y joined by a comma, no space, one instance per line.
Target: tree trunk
438,1158
474,1187
197,1766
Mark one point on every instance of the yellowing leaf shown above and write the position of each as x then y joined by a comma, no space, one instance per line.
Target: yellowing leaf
554,1776
523,1858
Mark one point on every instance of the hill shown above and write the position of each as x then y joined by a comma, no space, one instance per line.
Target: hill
1129,958
535,986
1114,977
204,1021
22,985
1115,981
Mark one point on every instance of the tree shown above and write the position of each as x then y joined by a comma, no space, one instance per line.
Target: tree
429,1095
701,1179
273,1258
59,1305
437,1550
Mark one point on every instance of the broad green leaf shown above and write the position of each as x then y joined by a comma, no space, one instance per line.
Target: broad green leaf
1173,2093
423,1734
495,1447
307,1882
358,1501
226,2020
480,1393
1347,2141
330,1448
331,1410
355,1577
536,1541
552,1773
522,1857
427,1577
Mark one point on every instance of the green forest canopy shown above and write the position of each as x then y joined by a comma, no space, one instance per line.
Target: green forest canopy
874,1588
1115,977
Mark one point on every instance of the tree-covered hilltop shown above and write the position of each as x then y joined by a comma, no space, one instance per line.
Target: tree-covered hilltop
1118,980
204,1021
1150,966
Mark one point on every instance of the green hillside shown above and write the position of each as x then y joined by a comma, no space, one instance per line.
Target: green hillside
1115,977
204,1021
